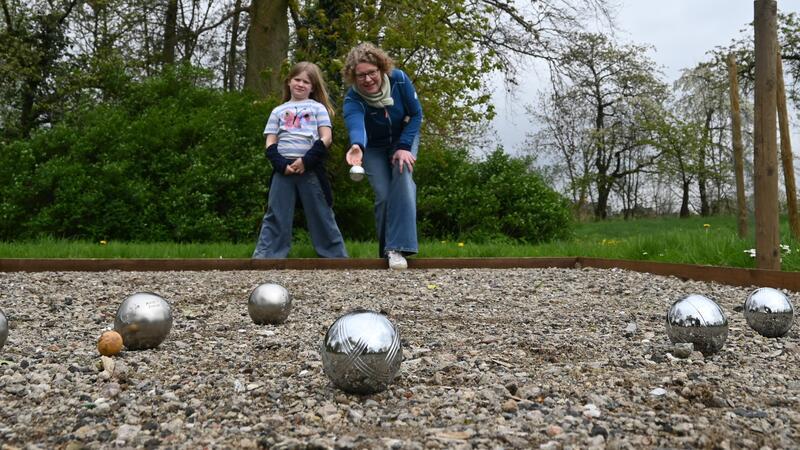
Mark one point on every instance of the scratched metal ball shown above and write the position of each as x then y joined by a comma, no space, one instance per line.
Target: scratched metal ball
144,320
3,329
269,303
699,320
769,312
361,352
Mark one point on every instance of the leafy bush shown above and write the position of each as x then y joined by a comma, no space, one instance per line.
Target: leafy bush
166,160
170,161
490,200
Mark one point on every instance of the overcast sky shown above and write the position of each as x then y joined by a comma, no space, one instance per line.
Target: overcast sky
681,31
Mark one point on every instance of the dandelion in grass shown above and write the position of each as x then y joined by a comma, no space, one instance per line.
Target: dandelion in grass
644,253
103,242
460,244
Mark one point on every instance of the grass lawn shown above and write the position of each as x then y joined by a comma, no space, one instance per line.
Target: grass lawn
696,240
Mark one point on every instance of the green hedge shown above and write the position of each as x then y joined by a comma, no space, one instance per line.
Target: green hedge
497,198
170,161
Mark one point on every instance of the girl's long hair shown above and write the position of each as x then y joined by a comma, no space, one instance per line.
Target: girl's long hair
318,90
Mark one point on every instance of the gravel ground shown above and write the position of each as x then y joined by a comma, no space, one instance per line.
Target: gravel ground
528,358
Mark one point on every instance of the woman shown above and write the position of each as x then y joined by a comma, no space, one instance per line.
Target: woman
383,117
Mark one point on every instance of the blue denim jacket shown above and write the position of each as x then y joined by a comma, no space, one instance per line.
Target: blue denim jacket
385,127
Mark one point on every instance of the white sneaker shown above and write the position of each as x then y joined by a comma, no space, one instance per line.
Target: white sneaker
396,260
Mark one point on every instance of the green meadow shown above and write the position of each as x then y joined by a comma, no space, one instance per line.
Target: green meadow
696,240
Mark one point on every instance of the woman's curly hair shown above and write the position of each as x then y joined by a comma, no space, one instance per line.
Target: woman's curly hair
365,52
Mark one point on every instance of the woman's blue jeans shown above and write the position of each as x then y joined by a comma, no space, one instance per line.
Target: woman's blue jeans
395,201
275,239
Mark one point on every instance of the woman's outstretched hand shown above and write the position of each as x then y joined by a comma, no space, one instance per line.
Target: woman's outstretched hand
404,157
354,156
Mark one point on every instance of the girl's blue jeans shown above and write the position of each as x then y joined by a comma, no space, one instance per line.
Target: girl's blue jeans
395,201
275,239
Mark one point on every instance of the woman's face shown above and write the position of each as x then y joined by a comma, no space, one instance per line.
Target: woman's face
368,78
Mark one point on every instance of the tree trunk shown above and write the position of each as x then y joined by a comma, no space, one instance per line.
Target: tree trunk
786,152
685,199
267,46
601,207
705,210
170,33
765,137
230,73
738,148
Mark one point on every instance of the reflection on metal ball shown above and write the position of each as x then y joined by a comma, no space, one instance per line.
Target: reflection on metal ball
356,173
269,303
769,312
3,329
699,320
361,352
144,320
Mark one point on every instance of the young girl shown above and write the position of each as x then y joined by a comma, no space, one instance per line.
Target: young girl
298,133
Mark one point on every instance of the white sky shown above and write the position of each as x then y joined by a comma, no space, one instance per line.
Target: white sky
681,31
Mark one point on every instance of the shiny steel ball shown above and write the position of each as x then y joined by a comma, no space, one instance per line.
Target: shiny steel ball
361,352
699,320
144,320
3,329
269,303
357,173
769,312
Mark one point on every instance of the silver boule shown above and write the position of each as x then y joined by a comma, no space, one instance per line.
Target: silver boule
699,320
361,352
269,303
3,329
356,173
769,312
143,320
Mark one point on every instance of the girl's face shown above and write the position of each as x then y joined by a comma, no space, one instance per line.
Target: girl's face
300,86
368,78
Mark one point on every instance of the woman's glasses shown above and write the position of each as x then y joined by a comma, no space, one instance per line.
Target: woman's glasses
363,76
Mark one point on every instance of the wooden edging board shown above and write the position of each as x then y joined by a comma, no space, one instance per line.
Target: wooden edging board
726,275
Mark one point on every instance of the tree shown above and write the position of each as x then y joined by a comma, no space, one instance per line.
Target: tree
564,144
681,144
32,40
619,85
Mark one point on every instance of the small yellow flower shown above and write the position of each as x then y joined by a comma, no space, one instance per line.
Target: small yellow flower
444,242
706,225
432,286
460,244
103,242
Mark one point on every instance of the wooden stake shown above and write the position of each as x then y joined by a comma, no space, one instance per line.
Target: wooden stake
786,152
738,148
766,145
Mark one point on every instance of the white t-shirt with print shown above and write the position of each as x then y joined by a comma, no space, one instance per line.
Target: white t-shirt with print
296,124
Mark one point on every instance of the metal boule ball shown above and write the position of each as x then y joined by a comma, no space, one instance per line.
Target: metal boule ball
269,303
356,173
3,329
144,320
699,320
361,352
769,312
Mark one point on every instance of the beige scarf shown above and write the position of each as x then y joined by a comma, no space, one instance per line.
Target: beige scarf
381,98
